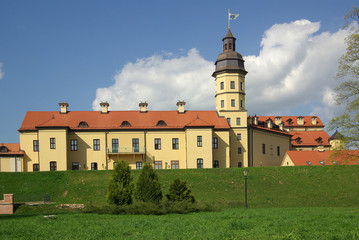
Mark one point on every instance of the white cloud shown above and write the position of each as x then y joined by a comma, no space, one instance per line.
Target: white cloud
162,80
1,72
295,67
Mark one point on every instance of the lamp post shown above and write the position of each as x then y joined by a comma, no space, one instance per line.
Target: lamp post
245,173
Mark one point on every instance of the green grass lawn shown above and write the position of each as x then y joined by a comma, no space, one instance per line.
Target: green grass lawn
231,223
319,186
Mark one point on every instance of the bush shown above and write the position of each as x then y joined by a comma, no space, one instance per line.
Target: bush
179,192
120,187
148,188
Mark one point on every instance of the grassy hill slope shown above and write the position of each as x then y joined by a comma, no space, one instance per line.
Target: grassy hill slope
267,186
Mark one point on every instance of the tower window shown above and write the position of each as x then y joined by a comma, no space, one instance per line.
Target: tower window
233,103
222,85
241,85
241,103
225,46
233,85
238,121
230,45
222,103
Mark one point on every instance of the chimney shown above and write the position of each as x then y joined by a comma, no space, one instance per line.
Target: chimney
63,107
255,120
269,123
180,105
281,126
278,120
300,120
104,107
314,120
143,107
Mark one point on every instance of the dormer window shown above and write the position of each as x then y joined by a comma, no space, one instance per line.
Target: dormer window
83,124
161,123
290,121
298,140
3,149
126,124
322,162
309,163
319,140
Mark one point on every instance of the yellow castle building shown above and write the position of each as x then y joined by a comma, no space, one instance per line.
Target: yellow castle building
95,140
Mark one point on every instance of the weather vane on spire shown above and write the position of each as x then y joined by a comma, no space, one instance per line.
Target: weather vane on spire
231,16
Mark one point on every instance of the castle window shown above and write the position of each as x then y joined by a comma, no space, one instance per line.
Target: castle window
238,121
222,103
215,164
199,141
75,166
174,164
35,167
3,149
138,165
125,124
233,103
52,143
229,121
83,124
222,85
114,145
175,143
225,46
158,164
263,148
36,145
73,144
214,143
161,123
233,86
239,136
94,166
230,45
241,103
53,166
239,150
199,162
241,85
158,143
278,150
135,144
96,144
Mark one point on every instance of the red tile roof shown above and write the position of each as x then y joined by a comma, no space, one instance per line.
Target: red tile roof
12,149
307,121
346,157
309,138
114,119
276,130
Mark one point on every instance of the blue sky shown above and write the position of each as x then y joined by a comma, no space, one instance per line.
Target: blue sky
86,51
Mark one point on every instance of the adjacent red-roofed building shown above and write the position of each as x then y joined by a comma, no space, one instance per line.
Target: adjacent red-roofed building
312,158
11,157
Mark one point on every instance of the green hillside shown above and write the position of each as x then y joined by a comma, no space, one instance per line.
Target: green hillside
267,186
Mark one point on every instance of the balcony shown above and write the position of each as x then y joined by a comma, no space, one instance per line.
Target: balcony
128,151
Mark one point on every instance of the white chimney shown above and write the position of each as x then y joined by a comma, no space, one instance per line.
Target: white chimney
63,107
143,107
104,107
180,105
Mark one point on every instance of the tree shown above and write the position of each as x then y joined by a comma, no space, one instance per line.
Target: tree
179,192
120,187
148,188
347,93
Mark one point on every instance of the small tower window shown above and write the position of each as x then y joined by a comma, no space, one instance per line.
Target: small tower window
233,85
233,103
222,103
125,124
225,46
230,45
241,103
161,123
222,85
83,124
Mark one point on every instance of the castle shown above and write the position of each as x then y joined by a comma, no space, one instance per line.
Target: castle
96,140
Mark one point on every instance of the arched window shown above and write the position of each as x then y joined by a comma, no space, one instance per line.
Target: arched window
3,149
161,123
125,124
83,124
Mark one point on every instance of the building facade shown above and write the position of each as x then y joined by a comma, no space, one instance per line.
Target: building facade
228,137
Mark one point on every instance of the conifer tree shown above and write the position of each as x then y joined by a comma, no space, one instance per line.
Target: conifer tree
180,192
120,187
148,188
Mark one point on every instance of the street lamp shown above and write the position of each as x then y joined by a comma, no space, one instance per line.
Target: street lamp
245,173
